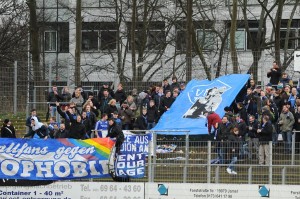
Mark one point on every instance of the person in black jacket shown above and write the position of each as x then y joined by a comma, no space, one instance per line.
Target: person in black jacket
62,132
242,112
120,95
77,128
8,130
265,136
166,102
141,121
53,97
274,74
114,131
39,130
152,115
253,142
233,149
224,130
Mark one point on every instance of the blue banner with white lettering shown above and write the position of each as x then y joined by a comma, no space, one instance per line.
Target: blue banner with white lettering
186,113
131,161
54,159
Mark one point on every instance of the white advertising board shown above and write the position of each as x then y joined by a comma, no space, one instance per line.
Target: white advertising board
76,190
211,191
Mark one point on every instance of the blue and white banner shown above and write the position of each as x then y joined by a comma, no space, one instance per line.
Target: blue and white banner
54,159
187,111
131,161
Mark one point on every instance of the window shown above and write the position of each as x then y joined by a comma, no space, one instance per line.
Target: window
55,37
90,40
206,39
108,40
240,38
107,4
291,38
90,4
99,36
254,35
181,40
50,40
154,39
52,3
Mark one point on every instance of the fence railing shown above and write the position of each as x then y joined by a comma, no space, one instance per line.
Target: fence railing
186,161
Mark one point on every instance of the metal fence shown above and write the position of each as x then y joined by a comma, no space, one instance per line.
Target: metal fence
23,88
189,161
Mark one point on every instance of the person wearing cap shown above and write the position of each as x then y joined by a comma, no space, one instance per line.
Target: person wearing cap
8,130
114,131
286,123
274,74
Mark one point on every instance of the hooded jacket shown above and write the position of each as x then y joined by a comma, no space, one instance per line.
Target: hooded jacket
39,128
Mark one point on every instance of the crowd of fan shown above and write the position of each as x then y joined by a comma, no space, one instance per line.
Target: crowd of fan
257,119
81,115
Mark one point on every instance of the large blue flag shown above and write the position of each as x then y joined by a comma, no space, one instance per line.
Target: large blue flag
186,113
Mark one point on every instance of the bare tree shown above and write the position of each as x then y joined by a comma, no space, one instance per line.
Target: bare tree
232,37
189,40
78,43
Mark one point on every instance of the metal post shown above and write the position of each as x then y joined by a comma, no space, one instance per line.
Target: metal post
250,175
186,157
163,67
283,175
271,164
50,77
208,161
34,97
154,157
217,172
68,73
150,159
211,65
15,86
293,147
